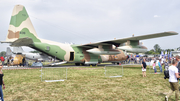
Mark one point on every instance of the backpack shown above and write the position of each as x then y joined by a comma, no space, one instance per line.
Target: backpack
166,74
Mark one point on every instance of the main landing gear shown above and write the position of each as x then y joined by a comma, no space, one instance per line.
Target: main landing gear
78,64
115,63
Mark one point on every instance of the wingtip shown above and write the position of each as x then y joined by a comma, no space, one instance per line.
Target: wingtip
172,32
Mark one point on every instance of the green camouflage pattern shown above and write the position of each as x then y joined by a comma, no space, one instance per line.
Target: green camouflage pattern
22,33
21,27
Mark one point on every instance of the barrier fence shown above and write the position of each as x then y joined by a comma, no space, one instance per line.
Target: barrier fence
53,74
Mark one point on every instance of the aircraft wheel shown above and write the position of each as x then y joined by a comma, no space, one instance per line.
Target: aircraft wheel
77,64
82,64
118,63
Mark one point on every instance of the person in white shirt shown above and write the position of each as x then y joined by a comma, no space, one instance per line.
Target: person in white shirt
173,75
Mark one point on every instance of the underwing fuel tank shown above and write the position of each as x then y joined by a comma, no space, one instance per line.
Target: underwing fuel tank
137,49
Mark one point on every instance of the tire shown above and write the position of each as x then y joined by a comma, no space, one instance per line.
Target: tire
82,64
77,64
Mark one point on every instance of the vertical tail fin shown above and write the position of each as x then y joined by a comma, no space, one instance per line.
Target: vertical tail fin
20,25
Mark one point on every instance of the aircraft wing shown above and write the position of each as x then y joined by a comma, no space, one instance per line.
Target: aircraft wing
133,38
22,42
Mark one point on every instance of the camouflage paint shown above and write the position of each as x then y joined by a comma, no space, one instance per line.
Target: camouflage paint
21,27
53,50
106,47
16,20
78,54
25,33
82,56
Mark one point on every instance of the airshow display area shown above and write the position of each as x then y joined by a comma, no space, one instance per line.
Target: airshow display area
105,70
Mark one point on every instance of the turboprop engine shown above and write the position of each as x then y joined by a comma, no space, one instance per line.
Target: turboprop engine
137,49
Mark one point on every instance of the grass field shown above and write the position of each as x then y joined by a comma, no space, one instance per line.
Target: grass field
86,83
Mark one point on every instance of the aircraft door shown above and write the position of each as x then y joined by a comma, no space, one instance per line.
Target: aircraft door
71,56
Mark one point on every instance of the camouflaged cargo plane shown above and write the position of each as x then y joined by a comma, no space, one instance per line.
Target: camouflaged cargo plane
22,33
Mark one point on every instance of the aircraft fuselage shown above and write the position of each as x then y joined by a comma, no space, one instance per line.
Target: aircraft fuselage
73,53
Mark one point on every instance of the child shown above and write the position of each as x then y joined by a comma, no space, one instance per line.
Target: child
154,67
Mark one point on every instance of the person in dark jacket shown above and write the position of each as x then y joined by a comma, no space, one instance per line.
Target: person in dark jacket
23,61
1,82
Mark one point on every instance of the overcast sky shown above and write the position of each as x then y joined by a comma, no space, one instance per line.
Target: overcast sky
84,21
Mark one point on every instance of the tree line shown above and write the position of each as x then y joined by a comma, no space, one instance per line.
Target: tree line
157,50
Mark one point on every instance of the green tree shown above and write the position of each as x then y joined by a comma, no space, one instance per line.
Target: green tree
157,48
150,52
3,53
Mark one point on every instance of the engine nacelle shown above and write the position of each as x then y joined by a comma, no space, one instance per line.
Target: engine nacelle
98,51
137,49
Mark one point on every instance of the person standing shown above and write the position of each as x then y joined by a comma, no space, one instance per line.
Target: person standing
166,65
160,66
154,67
23,61
173,75
178,60
1,82
12,61
2,60
178,64
8,62
144,68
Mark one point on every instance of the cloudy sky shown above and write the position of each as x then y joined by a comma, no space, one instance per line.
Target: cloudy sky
84,21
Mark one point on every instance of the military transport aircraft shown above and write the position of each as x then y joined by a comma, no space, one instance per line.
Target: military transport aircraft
22,33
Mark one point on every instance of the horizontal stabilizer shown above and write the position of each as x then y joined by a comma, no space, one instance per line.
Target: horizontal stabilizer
22,42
